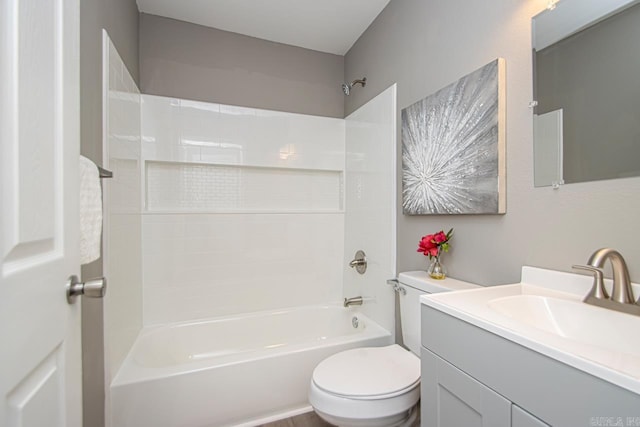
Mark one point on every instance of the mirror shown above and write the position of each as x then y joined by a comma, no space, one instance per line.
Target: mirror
586,66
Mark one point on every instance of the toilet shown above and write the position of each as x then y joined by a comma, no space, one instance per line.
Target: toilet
379,386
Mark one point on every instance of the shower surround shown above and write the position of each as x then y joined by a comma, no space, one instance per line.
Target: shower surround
244,209
252,214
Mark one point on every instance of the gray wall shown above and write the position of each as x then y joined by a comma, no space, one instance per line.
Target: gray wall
120,19
423,45
190,61
593,76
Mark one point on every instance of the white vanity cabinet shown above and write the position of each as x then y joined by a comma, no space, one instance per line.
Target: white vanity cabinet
472,377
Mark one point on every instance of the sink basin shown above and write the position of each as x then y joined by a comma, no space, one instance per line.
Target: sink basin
573,320
545,313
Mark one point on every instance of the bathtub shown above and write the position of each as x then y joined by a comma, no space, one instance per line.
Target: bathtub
236,371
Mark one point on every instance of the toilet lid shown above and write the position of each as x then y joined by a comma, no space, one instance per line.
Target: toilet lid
369,372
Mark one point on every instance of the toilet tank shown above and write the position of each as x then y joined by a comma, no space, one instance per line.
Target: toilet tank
417,283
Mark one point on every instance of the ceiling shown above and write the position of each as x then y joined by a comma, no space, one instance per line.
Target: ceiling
331,26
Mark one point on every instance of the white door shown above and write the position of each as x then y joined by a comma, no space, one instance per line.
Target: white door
40,371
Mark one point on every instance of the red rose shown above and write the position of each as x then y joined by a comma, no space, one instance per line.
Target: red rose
428,246
431,244
440,237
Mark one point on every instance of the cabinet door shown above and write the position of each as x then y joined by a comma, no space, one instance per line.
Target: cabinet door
452,398
521,418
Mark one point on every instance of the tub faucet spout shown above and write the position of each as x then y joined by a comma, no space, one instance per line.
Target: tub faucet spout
348,302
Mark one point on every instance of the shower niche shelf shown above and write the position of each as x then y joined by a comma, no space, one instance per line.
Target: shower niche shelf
174,187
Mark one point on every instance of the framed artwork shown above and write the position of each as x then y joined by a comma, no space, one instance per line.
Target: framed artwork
453,147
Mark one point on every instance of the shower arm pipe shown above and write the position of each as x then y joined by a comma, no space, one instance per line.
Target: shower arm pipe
346,87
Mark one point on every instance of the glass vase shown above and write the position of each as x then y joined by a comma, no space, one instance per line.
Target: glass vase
436,269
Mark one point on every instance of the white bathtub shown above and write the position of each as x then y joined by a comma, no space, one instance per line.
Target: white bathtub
241,370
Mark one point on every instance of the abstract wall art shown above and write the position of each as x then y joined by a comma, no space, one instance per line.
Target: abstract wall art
453,147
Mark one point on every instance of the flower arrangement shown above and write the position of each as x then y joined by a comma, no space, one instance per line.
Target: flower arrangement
431,245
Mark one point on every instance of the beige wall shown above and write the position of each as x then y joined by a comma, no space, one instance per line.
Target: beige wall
183,60
423,45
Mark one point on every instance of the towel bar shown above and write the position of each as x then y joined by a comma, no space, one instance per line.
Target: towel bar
105,173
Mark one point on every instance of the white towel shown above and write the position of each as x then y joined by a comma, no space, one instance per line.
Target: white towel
90,211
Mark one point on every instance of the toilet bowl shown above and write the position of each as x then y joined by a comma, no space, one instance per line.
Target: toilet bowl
371,386
379,386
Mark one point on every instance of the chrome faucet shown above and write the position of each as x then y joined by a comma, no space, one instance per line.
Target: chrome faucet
348,302
621,298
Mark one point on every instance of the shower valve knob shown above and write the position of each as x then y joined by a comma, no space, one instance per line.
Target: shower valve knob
359,262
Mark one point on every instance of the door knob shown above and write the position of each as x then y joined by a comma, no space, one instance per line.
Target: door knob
94,288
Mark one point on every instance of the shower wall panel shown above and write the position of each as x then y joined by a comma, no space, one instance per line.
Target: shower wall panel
122,240
370,204
243,209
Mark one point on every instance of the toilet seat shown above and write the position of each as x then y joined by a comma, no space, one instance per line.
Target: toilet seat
372,387
369,373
